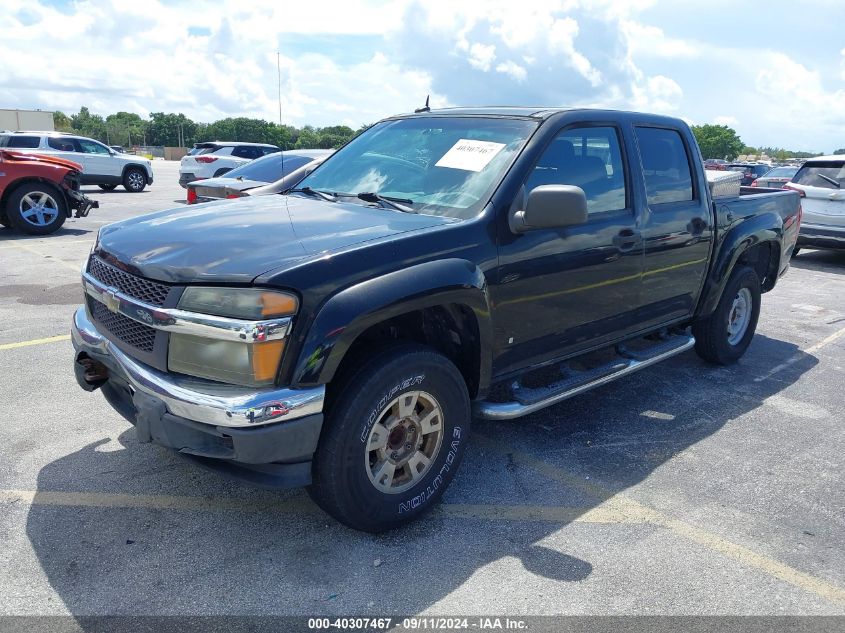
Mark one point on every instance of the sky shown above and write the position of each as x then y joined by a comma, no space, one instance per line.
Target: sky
773,71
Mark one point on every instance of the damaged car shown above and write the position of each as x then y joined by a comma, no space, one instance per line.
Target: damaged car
38,193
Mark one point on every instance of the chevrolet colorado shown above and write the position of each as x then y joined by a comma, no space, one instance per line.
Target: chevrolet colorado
443,264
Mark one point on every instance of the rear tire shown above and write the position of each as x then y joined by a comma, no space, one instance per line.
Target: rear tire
392,440
724,336
37,209
107,187
134,180
220,172
795,251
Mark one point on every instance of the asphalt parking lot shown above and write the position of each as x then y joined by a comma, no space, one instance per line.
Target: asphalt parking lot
682,489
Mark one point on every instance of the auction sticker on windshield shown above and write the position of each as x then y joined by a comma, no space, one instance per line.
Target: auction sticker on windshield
470,155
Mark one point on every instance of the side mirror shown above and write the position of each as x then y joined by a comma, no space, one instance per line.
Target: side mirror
551,207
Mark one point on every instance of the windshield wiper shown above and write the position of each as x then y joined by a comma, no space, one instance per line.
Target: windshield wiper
314,192
396,203
833,182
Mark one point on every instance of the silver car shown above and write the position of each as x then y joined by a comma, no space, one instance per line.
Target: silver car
820,181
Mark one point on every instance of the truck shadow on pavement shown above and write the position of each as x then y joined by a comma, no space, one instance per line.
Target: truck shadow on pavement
154,534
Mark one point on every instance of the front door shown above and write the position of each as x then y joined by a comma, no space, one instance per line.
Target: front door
97,161
561,291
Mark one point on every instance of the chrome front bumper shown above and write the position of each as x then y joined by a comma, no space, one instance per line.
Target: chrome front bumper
195,399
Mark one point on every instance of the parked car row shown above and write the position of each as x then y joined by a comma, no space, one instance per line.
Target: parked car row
213,159
258,174
101,165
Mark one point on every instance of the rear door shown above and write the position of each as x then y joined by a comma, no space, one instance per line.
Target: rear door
823,184
561,291
678,227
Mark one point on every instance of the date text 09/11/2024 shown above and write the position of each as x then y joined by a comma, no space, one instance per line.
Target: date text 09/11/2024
418,623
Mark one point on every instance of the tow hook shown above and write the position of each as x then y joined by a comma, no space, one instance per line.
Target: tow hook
90,374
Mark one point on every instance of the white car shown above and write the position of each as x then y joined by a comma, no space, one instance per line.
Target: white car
214,158
820,182
101,165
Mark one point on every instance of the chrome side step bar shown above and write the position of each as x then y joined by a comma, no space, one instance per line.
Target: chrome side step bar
529,400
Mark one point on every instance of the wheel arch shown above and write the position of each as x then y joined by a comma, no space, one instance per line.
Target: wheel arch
138,166
443,304
25,180
755,242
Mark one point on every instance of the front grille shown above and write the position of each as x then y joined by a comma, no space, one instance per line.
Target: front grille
125,329
151,292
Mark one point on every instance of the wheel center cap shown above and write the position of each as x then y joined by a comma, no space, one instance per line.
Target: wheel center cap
397,436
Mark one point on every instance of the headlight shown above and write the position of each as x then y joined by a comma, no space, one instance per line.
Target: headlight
238,303
240,363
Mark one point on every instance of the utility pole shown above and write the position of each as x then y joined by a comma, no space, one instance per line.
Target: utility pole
279,79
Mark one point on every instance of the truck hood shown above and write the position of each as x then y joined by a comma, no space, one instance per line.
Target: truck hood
39,158
235,241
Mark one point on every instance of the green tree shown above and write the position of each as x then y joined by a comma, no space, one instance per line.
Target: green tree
718,141
61,122
125,128
87,124
839,151
169,129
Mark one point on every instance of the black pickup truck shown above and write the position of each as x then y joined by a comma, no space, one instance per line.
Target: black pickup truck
443,264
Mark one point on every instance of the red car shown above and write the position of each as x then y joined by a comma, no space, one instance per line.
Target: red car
37,192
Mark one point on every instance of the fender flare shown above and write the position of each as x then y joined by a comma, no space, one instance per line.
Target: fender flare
345,315
751,232
136,166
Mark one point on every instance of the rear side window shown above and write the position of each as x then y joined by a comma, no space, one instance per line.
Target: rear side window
197,151
666,168
20,142
270,150
61,144
590,158
269,168
828,174
246,151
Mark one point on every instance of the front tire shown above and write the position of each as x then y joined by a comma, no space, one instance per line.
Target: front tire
724,336
134,180
392,440
37,209
107,187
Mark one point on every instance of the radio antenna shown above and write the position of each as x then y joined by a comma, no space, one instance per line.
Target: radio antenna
425,108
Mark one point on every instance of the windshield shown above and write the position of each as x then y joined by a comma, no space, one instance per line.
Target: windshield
828,174
269,168
782,172
434,165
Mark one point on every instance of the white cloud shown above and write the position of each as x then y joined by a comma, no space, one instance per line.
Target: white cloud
217,58
724,119
481,56
512,69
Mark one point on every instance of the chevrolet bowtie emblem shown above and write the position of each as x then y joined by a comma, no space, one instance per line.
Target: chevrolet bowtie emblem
111,301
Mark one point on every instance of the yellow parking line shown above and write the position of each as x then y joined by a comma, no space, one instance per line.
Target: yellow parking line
52,241
625,505
800,354
37,341
74,267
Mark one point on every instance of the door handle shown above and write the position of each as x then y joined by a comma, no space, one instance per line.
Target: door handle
627,239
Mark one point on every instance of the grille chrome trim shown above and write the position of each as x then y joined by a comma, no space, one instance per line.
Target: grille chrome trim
183,322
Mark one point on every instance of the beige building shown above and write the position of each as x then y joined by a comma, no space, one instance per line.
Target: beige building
40,120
